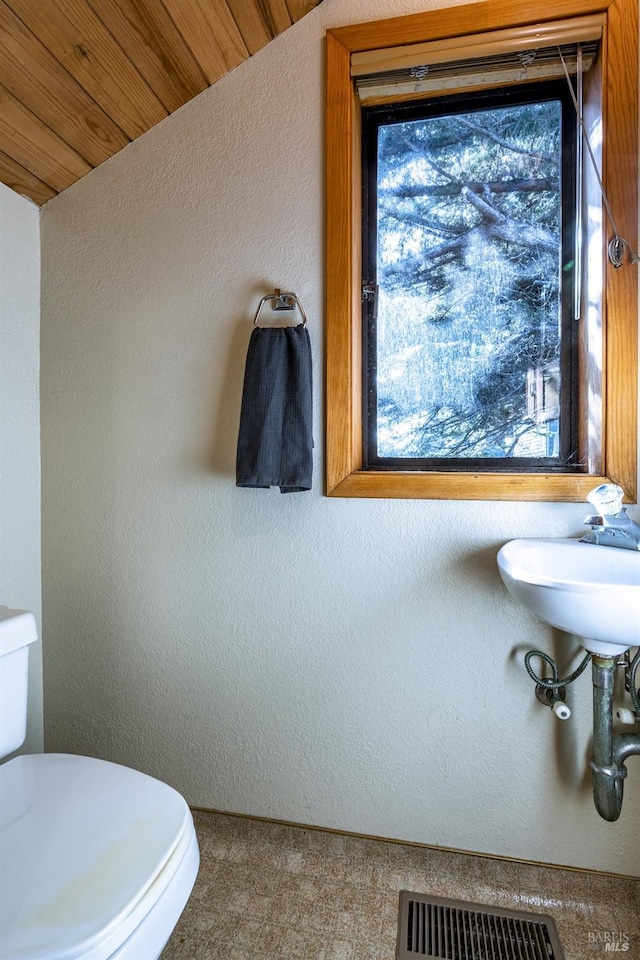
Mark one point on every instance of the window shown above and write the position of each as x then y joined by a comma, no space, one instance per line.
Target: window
469,377
470,353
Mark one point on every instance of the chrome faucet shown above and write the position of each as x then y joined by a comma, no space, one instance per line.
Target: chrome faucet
611,527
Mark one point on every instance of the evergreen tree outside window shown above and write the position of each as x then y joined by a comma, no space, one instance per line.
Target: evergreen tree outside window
470,343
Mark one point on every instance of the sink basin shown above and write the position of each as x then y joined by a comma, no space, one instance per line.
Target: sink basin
587,590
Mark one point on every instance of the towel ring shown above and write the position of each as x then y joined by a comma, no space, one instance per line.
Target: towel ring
285,301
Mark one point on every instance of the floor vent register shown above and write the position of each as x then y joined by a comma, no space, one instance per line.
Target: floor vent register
457,930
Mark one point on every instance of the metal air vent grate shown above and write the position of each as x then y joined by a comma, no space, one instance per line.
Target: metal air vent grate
456,930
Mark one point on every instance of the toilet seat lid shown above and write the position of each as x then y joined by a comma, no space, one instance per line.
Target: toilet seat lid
81,842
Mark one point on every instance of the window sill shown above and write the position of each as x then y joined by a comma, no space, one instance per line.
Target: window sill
466,486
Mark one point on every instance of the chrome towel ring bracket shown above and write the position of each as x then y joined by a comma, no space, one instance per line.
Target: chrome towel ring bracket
281,301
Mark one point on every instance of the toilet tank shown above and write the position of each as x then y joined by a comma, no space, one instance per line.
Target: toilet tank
17,631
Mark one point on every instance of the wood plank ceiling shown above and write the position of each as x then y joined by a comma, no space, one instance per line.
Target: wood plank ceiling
79,79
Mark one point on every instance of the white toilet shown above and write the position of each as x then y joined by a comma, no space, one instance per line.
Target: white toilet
97,861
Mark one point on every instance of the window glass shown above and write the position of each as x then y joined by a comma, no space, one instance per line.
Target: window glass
468,237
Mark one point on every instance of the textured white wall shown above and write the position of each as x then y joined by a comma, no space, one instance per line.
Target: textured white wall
20,427
353,664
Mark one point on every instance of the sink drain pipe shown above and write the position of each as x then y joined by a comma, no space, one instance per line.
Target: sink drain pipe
609,750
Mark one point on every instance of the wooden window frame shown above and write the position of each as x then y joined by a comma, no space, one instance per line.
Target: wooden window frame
612,454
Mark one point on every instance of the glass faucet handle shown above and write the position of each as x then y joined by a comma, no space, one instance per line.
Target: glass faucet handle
607,499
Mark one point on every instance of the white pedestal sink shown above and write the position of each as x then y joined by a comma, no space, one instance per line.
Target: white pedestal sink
585,589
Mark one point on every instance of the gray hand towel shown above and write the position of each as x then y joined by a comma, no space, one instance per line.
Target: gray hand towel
275,439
